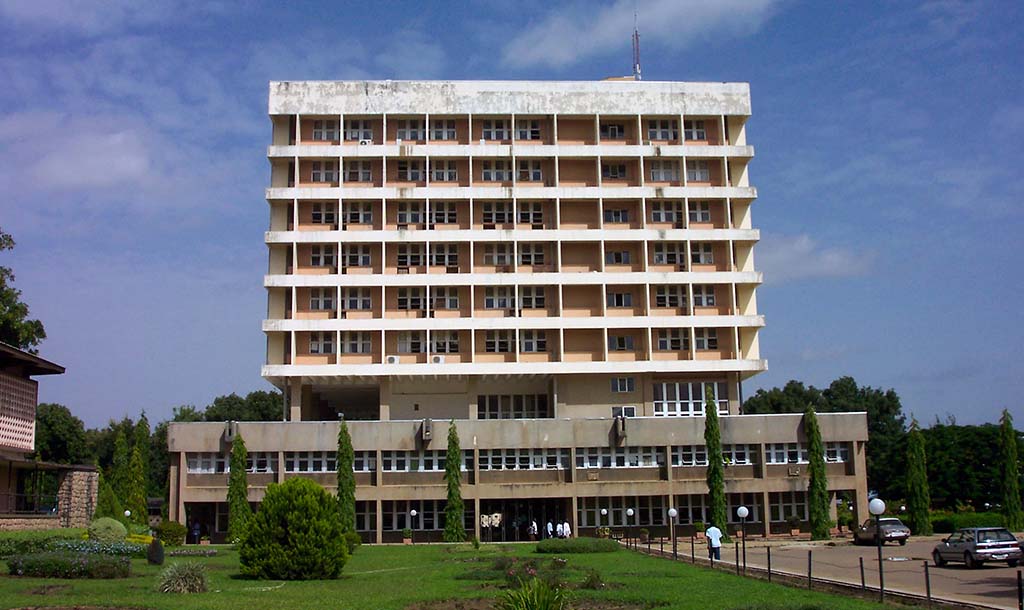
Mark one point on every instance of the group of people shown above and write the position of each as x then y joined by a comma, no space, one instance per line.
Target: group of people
552,530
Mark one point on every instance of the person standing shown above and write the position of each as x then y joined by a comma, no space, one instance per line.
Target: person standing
714,536
551,529
559,530
533,530
567,530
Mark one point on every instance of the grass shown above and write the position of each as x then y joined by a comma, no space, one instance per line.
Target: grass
394,577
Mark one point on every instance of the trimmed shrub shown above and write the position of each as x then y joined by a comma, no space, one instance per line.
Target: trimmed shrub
92,547
171,533
577,545
155,553
947,523
185,577
24,543
352,541
296,534
106,529
59,564
533,594
139,539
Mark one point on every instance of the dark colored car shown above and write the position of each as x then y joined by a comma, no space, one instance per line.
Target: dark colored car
892,528
977,545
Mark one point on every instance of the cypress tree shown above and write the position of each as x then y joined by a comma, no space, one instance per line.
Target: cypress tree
239,511
346,479
119,468
817,486
135,491
454,512
140,438
716,468
107,504
918,497
1010,467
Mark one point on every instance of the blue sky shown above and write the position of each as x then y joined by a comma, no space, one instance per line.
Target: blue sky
888,137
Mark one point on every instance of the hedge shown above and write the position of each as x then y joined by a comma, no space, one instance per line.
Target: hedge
577,545
171,533
92,547
57,564
24,543
947,523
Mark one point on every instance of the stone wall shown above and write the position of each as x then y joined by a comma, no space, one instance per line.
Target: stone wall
14,524
78,491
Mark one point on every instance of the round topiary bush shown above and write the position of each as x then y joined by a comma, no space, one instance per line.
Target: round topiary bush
106,529
295,535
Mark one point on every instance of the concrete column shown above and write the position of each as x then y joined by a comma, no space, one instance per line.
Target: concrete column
182,483
766,513
861,473
476,520
295,400
380,521
573,519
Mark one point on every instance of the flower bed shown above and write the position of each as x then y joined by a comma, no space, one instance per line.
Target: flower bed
56,564
91,547
192,553
23,543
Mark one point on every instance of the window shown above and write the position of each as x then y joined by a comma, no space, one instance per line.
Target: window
409,213
496,171
836,452
356,298
358,213
685,399
321,342
673,339
613,171
444,255
620,343
356,342
310,461
663,129
498,342
737,455
523,459
617,257
496,129
704,296
664,171
321,299
324,171
445,297
410,255
627,411
444,170
410,299
613,131
700,211
356,255
498,297
529,171
426,460
358,171
497,212
516,406
689,455
669,253
667,211
498,254
528,129
358,129
321,255
532,297
617,457
531,212
619,299
697,171
409,171
785,504
323,214
206,463
786,453
410,342
673,296
365,461
702,253
409,129
325,131
623,384
616,216
260,462
533,341
444,341
443,129
531,254
444,212
694,130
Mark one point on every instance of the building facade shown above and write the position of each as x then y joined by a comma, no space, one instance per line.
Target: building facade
562,269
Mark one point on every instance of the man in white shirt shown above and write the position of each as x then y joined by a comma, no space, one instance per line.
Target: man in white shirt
714,536
551,529
560,531
567,530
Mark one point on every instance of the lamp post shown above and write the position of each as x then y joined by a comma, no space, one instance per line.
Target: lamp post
672,513
412,524
600,521
742,512
629,518
876,507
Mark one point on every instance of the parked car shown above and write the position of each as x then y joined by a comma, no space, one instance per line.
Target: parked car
893,530
977,545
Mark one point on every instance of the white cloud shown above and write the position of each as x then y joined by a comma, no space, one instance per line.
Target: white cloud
801,257
412,55
90,18
573,32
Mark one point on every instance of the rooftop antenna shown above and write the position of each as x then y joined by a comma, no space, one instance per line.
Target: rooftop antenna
636,48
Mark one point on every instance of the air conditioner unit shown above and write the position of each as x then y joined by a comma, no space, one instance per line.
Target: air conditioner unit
365,142
537,225
230,431
398,141
403,270
437,359
391,359
403,225
620,427
427,430
454,269
488,225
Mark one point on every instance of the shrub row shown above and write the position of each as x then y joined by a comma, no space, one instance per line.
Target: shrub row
577,545
171,533
192,553
23,543
58,564
947,523
92,547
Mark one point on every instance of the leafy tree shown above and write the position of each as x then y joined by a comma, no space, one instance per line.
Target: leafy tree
120,473
239,511
716,468
15,327
135,491
107,504
141,440
60,436
102,441
455,510
792,398
817,488
918,499
256,406
1010,467
346,479
963,464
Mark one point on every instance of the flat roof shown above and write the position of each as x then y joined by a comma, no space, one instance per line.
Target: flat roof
12,356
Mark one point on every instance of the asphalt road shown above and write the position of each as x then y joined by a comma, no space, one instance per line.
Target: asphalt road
993,585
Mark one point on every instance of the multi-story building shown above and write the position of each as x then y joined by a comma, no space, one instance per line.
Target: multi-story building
560,268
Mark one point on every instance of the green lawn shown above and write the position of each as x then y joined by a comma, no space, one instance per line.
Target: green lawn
395,577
